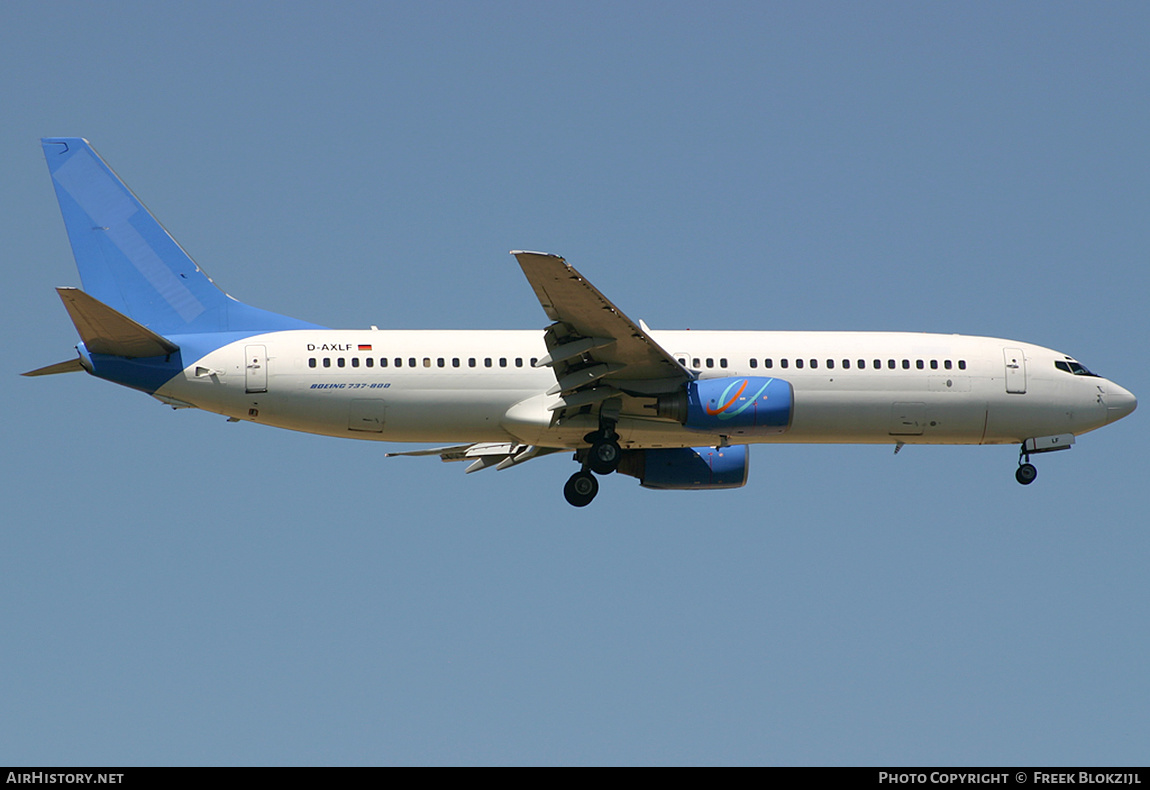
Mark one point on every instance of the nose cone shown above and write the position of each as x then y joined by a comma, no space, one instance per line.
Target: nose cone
1119,402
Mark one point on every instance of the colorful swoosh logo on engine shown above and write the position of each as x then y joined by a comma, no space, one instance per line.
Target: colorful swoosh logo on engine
722,410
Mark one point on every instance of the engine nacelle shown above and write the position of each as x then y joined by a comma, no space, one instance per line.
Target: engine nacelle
687,468
740,406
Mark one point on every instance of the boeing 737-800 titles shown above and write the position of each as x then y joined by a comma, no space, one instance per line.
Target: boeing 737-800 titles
675,409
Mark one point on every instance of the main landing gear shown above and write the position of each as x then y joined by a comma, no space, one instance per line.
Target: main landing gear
602,459
604,455
581,488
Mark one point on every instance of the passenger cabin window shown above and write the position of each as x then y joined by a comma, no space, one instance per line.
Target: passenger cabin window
754,362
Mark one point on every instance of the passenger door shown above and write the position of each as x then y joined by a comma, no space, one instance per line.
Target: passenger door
1015,362
255,369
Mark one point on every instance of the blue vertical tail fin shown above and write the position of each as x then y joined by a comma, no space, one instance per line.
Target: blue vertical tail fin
130,263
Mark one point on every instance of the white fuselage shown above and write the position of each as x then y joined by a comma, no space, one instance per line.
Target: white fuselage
480,386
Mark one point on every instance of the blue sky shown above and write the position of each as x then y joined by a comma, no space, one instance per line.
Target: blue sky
175,589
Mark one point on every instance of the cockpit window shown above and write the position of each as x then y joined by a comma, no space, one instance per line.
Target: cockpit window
1070,366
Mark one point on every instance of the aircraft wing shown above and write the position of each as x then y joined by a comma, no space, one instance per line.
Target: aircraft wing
596,351
483,455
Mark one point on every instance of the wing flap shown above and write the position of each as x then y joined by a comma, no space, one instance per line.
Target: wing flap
446,454
484,455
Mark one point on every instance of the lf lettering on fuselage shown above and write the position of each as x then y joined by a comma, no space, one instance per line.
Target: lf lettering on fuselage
675,409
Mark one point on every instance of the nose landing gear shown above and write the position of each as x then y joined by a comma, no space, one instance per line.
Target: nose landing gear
1026,473
1044,444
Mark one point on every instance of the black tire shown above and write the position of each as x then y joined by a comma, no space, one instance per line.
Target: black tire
1026,474
604,457
581,488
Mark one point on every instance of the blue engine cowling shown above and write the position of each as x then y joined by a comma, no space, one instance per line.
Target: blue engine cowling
748,405
687,468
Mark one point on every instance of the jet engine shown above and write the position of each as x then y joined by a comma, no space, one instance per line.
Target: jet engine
687,468
736,406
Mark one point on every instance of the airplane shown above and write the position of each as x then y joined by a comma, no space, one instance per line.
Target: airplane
675,409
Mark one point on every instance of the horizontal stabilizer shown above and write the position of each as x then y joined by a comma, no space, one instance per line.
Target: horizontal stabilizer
105,331
71,366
